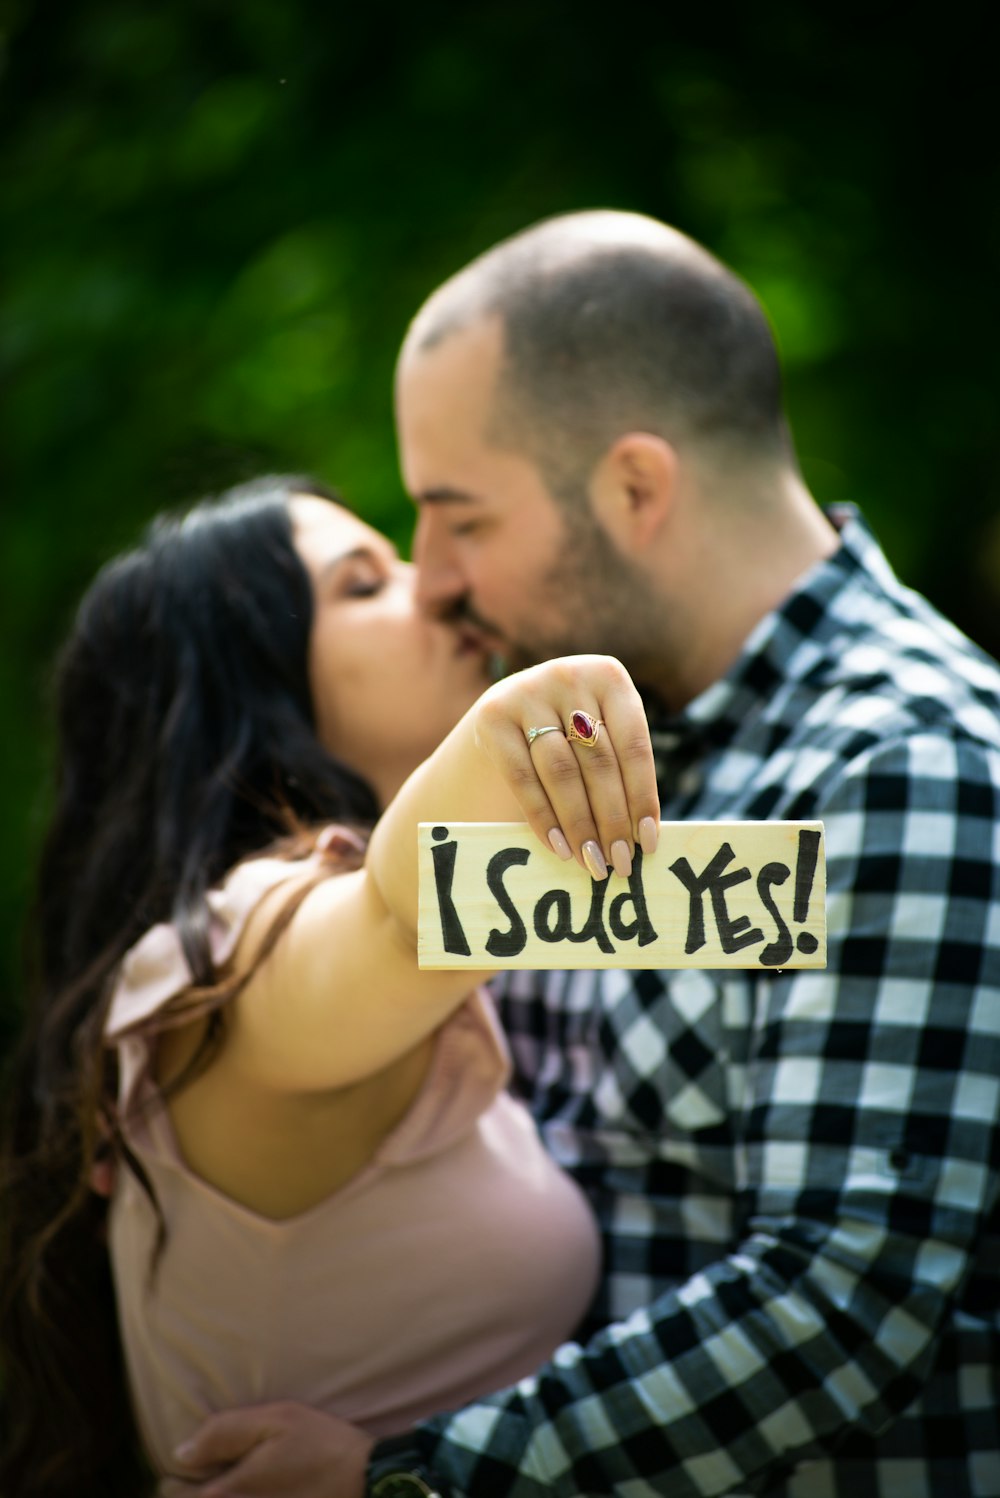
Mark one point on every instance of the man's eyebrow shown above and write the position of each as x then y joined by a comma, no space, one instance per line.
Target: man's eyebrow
445,497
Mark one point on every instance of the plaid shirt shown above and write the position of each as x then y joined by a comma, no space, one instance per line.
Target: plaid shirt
796,1174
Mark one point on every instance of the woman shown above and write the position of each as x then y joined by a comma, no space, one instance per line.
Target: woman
321,1190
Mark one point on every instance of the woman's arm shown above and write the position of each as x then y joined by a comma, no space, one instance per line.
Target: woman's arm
341,995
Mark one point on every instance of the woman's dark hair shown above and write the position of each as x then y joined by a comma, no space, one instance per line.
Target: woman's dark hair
186,741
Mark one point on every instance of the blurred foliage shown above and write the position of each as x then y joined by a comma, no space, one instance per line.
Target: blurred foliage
215,221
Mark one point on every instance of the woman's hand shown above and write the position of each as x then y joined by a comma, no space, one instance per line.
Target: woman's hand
283,1449
587,782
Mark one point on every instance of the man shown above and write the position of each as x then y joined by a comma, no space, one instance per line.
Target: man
797,1174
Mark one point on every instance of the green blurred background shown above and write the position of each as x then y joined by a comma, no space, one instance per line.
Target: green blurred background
216,220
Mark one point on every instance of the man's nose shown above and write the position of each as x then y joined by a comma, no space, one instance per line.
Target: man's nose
439,581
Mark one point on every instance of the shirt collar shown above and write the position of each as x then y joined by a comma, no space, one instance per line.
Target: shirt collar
781,648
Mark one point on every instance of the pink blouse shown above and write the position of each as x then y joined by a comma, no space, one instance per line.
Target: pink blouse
451,1265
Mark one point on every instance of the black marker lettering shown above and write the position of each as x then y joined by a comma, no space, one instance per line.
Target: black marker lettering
779,950
506,943
444,855
558,900
553,901
804,871
733,934
642,925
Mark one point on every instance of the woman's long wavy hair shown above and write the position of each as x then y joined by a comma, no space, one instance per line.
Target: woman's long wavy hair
186,742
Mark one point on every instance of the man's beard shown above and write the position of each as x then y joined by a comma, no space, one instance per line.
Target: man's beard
608,608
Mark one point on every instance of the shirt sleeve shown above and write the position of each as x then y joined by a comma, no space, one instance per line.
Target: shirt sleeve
868,1147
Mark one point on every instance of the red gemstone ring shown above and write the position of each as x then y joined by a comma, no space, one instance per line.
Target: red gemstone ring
584,728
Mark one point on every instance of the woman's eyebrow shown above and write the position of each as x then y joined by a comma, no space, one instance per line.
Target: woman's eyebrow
355,554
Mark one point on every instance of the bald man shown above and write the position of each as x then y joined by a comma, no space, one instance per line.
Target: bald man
796,1174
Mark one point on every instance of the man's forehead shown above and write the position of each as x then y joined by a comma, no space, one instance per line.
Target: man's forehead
461,368
478,336
443,419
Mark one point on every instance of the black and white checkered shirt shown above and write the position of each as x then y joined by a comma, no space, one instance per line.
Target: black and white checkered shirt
796,1174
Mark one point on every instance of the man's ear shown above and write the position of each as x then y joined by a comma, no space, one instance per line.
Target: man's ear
633,488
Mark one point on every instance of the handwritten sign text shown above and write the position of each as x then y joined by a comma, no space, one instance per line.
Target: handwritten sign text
714,894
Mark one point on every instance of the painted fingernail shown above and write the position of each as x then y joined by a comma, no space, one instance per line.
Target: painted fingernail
559,845
621,858
648,834
594,859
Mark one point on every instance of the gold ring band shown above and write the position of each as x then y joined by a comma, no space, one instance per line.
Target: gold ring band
583,728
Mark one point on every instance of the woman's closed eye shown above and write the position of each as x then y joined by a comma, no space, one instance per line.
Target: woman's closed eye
361,574
363,584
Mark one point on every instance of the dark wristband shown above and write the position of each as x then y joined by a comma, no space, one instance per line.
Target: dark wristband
396,1469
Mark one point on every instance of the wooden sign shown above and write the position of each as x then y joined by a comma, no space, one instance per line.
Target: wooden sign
714,894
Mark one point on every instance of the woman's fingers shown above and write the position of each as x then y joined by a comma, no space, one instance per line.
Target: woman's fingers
590,819
571,739
610,743
504,739
626,732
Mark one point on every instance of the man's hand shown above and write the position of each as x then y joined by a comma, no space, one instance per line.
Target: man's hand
286,1450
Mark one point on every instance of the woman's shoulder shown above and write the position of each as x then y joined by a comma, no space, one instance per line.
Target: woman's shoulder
155,973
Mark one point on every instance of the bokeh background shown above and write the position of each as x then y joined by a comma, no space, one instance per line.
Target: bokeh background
217,218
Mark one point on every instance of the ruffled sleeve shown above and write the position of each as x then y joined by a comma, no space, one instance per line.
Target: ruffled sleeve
155,973
152,973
